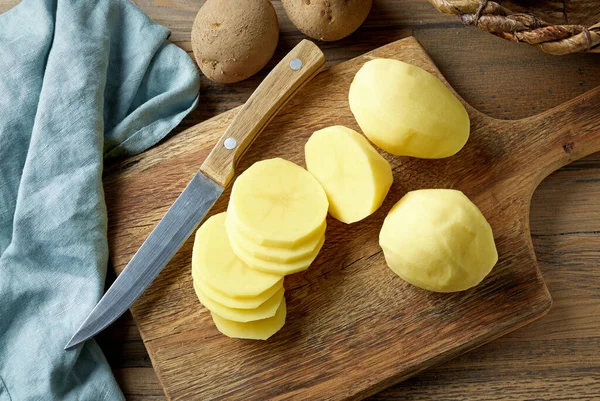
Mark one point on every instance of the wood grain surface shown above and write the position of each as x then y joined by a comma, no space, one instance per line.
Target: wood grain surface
353,327
556,357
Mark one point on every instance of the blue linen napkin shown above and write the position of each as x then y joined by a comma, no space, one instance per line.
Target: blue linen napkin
80,81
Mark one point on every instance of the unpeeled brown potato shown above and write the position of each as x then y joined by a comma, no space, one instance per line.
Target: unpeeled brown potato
233,40
327,20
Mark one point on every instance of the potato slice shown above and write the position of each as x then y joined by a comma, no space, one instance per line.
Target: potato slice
356,178
215,262
276,267
263,311
237,302
256,330
275,254
277,203
438,240
406,111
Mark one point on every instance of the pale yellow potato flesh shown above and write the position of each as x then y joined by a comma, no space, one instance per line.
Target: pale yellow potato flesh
275,254
215,262
406,111
236,302
256,330
356,178
438,240
276,267
263,311
277,203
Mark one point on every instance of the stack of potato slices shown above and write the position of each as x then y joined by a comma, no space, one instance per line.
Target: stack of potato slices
274,226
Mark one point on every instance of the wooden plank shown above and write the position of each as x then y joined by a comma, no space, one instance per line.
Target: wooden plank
494,169
504,80
553,358
144,381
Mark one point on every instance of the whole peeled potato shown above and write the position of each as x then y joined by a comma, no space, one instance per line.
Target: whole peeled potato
406,111
438,240
233,40
327,20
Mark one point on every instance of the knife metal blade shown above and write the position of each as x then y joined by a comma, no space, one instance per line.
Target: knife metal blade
161,245
298,67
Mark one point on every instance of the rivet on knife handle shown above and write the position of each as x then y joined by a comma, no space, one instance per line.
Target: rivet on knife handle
289,75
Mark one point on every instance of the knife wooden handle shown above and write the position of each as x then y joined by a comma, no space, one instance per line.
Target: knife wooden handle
298,67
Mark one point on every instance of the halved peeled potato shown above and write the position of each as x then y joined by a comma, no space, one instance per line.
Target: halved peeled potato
236,302
277,203
215,263
356,178
292,254
276,267
263,311
256,330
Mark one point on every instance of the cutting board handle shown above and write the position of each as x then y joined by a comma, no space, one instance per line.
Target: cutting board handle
298,67
561,135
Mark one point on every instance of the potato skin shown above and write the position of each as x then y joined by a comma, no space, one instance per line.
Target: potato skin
233,40
327,20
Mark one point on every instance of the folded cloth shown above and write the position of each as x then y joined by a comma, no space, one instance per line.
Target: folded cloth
80,81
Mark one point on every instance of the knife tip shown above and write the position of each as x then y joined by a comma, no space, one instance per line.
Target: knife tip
75,340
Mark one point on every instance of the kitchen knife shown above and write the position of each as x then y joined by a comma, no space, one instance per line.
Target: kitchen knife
289,75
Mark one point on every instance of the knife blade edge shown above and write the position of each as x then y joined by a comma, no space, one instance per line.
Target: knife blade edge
157,250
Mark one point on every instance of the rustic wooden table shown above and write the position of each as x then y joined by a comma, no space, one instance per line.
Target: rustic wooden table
556,357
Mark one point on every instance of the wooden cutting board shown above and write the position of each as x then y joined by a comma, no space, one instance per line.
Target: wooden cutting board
353,327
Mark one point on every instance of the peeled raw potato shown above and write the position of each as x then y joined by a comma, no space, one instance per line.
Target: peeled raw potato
438,240
277,203
275,254
355,177
256,330
263,311
327,19
406,111
232,39
236,302
276,267
215,262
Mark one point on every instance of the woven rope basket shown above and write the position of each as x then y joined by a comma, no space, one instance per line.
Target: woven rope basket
556,27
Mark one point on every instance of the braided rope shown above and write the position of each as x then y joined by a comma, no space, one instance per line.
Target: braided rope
521,27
